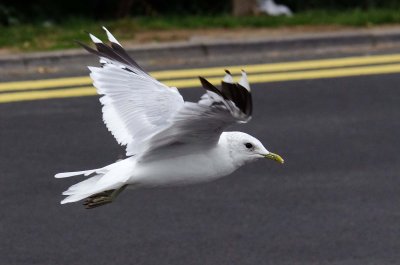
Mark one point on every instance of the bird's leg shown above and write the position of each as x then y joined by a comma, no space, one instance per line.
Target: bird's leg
102,198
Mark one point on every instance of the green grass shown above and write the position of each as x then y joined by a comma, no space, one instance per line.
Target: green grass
42,36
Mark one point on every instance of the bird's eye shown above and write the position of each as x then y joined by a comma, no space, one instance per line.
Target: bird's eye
248,145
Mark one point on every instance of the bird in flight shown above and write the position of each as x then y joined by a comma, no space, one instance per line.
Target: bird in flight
168,141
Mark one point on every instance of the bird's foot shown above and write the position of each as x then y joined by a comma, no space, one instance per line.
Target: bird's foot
99,199
102,198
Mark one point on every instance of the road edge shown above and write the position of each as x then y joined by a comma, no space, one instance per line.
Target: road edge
213,48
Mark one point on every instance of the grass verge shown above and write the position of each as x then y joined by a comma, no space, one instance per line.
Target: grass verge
48,36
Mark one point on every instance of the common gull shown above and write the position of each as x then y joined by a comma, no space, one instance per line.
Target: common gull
168,141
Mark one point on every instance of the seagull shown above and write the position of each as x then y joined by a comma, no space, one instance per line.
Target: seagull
271,8
168,141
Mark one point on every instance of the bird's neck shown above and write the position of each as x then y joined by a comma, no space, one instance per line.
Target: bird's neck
226,146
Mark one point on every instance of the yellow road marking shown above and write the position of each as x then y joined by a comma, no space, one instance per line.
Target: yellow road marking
286,66
194,82
213,71
43,84
300,75
35,95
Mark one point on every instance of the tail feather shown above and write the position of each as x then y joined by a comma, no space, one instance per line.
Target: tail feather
76,173
110,177
74,198
83,185
84,189
87,188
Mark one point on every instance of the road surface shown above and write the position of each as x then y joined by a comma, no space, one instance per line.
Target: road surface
336,200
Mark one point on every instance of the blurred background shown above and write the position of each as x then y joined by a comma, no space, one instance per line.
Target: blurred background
14,11
325,78
49,25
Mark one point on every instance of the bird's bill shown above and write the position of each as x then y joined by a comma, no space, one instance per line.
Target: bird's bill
274,157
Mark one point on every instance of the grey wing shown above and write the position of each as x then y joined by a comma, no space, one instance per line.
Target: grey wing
199,125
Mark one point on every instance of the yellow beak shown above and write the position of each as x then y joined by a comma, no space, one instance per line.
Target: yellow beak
275,157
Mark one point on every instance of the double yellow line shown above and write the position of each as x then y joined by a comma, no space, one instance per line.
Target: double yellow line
262,73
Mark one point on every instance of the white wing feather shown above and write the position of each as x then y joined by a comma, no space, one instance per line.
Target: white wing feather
147,115
135,105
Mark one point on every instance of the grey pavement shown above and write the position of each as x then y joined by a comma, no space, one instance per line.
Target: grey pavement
223,48
336,200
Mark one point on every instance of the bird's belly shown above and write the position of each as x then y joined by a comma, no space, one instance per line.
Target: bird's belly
182,170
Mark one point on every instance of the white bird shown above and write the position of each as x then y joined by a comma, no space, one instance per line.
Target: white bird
271,8
168,141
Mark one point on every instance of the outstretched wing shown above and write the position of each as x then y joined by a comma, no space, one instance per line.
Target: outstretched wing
199,125
135,105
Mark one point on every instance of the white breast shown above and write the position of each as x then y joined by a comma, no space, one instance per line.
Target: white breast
187,169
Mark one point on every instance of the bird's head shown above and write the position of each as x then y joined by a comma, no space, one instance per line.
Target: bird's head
244,148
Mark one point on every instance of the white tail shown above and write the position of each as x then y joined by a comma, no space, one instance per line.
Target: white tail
76,173
110,177
80,190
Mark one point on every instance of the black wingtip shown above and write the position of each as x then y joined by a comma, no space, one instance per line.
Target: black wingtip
86,47
234,92
114,52
239,95
208,86
228,72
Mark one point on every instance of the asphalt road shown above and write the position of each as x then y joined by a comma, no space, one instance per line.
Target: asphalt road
336,200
